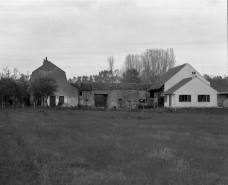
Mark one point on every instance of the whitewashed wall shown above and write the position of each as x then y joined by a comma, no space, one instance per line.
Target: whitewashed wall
166,104
68,101
194,88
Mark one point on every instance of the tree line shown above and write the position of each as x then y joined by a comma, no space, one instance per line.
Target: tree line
206,76
144,68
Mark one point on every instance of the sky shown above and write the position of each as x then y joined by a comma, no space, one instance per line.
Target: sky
79,35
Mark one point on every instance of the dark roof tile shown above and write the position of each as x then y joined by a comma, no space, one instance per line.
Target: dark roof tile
178,86
220,85
111,86
47,66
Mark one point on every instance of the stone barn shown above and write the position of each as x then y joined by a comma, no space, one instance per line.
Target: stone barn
112,95
66,95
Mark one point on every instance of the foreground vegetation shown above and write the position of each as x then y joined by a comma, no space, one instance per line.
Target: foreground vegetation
117,147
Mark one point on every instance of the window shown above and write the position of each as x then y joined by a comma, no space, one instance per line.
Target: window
120,102
151,94
61,100
184,98
165,99
203,98
80,93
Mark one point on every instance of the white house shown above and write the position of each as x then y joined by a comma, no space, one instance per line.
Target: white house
191,92
183,86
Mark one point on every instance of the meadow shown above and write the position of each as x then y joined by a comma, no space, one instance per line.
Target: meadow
91,147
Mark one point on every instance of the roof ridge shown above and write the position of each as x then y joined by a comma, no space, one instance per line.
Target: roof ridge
47,61
167,76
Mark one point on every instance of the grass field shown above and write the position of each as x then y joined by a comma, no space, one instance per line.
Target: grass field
187,146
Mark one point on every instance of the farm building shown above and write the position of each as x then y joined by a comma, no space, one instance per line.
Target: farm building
183,86
221,86
112,95
66,94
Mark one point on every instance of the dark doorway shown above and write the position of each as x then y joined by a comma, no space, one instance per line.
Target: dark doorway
100,100
160,101
151,94
52,101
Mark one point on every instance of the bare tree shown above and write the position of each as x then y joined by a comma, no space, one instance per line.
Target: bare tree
151,64
155,63
111,62
133,62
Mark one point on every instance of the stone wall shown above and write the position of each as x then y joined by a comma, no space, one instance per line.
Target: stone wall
115,98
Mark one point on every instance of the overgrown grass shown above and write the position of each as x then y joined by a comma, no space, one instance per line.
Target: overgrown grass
117,147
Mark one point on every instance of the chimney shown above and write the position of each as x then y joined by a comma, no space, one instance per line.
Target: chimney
45,60
193,74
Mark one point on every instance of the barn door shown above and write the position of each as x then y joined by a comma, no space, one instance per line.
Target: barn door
100,100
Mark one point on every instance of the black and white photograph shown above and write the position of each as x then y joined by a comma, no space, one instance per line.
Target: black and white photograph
113,92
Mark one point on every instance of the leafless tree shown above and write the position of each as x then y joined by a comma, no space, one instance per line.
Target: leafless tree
133,62
155,63
111,62
151,64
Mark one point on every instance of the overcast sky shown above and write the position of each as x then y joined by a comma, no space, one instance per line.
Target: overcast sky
79,35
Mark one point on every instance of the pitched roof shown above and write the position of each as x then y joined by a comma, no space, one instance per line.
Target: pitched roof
220,85
47,66
178,85
111,86
168,75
